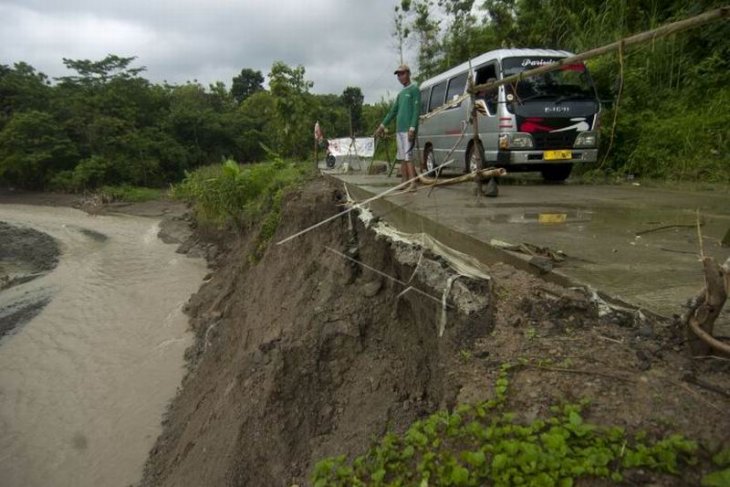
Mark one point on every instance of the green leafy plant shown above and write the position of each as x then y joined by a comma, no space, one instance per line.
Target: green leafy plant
485,444
239,196
719,478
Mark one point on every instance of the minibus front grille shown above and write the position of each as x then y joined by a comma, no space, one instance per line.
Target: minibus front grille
554,140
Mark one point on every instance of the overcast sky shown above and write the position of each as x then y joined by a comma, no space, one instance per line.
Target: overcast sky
340,42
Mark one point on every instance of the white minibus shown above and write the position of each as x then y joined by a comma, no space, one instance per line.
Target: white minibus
543,123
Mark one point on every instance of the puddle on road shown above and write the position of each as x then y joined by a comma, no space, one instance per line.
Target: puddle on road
545,216
648,257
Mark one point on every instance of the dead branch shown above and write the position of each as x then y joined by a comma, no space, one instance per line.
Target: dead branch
706,307
484,173
582,372
706,385
664,227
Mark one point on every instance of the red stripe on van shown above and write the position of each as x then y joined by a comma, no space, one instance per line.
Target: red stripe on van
505,118
453,132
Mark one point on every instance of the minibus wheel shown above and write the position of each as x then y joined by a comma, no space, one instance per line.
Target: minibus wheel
556,172
475,158
429,162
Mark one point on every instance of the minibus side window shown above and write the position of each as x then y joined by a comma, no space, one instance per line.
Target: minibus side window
437,96
456,87
424,101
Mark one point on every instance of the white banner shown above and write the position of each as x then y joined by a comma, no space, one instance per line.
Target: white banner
357,147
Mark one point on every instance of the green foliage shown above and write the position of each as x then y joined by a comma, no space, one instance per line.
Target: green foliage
32,147
352,99
22,88
230,194
486,445
694,146
106,124
246,84
92,172
293,125
719,478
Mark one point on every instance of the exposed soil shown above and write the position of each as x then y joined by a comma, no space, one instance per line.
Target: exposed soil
303,354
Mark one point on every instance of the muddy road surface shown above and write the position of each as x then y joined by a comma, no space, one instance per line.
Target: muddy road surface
636,244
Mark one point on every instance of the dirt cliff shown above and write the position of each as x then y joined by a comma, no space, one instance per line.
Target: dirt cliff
302,353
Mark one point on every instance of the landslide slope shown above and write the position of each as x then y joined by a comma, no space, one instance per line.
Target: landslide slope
304,353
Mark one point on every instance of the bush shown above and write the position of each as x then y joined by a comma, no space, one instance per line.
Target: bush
230,194
92,172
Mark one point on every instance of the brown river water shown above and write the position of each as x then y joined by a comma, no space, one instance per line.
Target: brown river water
85,382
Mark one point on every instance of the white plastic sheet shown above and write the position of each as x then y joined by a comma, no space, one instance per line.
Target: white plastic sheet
358,146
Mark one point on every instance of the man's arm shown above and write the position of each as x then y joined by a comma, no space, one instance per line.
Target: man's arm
392,112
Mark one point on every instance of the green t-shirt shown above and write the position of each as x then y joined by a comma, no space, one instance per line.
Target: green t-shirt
406,109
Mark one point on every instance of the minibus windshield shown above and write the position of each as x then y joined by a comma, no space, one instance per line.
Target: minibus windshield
570,82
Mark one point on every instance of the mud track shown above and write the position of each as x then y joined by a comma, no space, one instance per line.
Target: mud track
303,354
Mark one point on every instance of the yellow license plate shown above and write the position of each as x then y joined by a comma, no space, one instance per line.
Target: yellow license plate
552,217
557,155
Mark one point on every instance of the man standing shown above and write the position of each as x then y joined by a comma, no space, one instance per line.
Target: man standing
405,110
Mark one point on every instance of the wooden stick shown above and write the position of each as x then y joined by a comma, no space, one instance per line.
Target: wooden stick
700,319
666,227
665,30
581,371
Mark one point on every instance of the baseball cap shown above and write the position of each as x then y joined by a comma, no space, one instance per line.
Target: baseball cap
402,68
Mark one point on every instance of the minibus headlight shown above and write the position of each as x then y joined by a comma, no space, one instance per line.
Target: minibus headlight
517,140
586,139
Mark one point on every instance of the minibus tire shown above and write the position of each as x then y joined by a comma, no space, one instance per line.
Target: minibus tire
469,154
428,151
557,172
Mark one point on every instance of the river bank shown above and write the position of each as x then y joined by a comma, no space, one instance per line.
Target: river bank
303,354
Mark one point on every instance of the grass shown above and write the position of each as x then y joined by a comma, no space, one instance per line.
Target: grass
242,196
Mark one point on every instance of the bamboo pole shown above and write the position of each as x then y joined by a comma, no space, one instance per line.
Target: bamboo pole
665,30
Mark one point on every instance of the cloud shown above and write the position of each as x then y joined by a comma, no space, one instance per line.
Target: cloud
339,42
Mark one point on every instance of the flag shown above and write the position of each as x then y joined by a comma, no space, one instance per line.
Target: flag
317,132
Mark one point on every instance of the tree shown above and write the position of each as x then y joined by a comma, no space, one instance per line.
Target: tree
32,147
352,99
22,88
429,47
400,26
256,116
290,91
95,72
246,84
